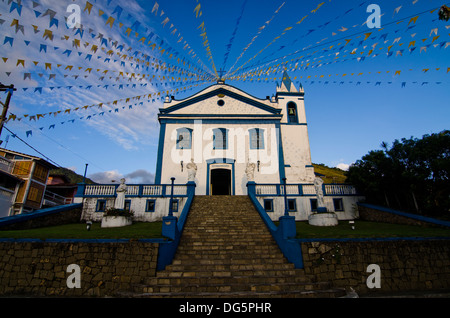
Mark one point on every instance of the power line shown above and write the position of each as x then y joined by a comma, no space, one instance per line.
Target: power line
48,159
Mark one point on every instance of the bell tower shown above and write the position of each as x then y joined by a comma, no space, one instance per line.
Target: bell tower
294,132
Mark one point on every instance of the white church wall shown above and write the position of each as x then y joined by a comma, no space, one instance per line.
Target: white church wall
303,207
138,206
238,151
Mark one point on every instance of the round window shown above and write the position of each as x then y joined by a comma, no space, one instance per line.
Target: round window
221,102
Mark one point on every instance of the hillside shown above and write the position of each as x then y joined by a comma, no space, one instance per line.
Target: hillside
73,177
330,175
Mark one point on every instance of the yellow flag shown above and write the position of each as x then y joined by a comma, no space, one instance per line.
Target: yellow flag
110,21
435,38
48,35
197,10
413,20
320,4
367,35
302,20
88,7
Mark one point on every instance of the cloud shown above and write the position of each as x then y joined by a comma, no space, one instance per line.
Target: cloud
139,176
343,166
106,177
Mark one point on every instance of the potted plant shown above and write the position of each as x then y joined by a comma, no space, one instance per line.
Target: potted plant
117,218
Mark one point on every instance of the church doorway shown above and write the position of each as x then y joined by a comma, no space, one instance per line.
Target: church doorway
220,182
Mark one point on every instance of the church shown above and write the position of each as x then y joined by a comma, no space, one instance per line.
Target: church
230,137
223,141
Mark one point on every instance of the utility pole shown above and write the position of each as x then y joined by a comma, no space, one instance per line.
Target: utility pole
10,90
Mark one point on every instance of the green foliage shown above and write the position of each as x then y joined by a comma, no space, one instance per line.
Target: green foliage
412,175
118,212
73,177
330,175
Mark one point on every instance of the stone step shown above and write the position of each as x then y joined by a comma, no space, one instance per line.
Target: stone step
226,251
227,261
227,273
243,283
220,288
316,293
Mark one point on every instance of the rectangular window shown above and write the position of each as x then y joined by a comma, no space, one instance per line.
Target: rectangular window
338,205
292,205
150,206
256,138
313,205
220,138
268,205
101,206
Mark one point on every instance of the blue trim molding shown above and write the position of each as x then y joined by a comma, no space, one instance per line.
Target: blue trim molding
223,91
281,164
162,134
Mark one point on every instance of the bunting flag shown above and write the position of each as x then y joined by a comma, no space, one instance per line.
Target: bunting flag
260,30
99,105
233,35
276,38
151,98
206,45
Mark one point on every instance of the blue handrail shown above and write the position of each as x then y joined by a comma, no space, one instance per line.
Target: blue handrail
173,231
283,234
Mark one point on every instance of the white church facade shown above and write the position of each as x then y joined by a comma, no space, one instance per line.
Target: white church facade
219,141
233,137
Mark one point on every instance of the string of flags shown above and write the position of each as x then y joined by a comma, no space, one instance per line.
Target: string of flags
260,30
338,51
48,34
410,26
183,70
150,96
155,96
279,36
198,13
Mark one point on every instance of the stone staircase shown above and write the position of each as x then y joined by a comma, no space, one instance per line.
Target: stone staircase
227,251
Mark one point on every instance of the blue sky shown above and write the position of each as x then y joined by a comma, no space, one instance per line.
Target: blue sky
363,86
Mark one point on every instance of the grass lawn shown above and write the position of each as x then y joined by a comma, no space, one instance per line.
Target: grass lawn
139,230
365,229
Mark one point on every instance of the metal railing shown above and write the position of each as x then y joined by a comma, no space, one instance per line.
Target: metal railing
304,189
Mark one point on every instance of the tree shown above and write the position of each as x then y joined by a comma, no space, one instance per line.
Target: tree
412,174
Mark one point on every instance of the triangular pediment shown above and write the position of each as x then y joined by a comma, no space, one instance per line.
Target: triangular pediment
220,100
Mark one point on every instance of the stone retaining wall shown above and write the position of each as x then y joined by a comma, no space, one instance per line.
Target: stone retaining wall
39,268
405,265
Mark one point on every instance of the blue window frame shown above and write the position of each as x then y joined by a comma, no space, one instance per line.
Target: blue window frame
292,113
150,205
220,138
292,205
268,205
256,138
101,206
184,138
